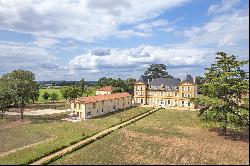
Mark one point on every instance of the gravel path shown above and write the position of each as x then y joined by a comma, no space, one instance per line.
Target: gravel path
39,112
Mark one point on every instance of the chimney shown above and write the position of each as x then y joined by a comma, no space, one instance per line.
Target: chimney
148,80
194,79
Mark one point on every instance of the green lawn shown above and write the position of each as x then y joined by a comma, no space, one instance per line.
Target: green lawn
164,137
60,97
49,90
52,133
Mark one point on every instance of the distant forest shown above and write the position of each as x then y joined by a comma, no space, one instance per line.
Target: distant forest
65,83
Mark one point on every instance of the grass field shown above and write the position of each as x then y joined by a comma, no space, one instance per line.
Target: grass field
44,134
55,90
49,90
165,137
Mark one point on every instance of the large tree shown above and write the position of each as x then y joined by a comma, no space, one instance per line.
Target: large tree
74,92
21,82
82,86
34,92
200,81
65,92
225,83
5,96
157,71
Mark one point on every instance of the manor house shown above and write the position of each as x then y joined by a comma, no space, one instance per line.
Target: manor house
165,92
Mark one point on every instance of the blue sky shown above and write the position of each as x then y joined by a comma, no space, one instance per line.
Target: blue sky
74,39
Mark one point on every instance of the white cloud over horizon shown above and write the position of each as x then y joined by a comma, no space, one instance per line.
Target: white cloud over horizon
72,39
86,20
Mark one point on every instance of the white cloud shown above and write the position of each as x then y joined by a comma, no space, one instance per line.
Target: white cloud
157,25
226,5
25,56
134,60
222,30
45,42
86,20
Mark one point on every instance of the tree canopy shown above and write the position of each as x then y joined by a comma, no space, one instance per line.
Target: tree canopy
157,71
225,84
20,85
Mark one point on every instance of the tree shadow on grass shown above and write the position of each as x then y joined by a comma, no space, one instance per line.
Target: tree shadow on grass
233,135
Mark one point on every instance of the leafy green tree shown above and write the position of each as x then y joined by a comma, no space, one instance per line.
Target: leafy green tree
82,86
65,92
88,91
21,81
102,82
5,96
74,92
45,95
157,71
200,81
225,83
129,85
34,92
53,96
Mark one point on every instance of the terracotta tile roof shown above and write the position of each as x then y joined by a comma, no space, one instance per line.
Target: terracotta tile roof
93,99
106,88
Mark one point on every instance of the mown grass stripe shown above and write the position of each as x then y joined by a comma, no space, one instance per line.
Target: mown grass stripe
55,156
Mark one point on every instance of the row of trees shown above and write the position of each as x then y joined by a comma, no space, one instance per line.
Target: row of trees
74,91
119,84
17,88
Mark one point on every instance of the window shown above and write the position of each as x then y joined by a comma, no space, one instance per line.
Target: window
176,94
182,88
182,95
188,88
168,101
176,102
189,104
162,93
141,101
182,103
162,102
88,113
102,110
155,93
141,87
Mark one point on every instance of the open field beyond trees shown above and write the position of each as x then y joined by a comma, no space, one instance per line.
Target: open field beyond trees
165,137
57,90
27,140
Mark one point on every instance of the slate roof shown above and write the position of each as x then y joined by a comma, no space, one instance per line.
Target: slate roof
93,99
165,82
144,79
188,79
